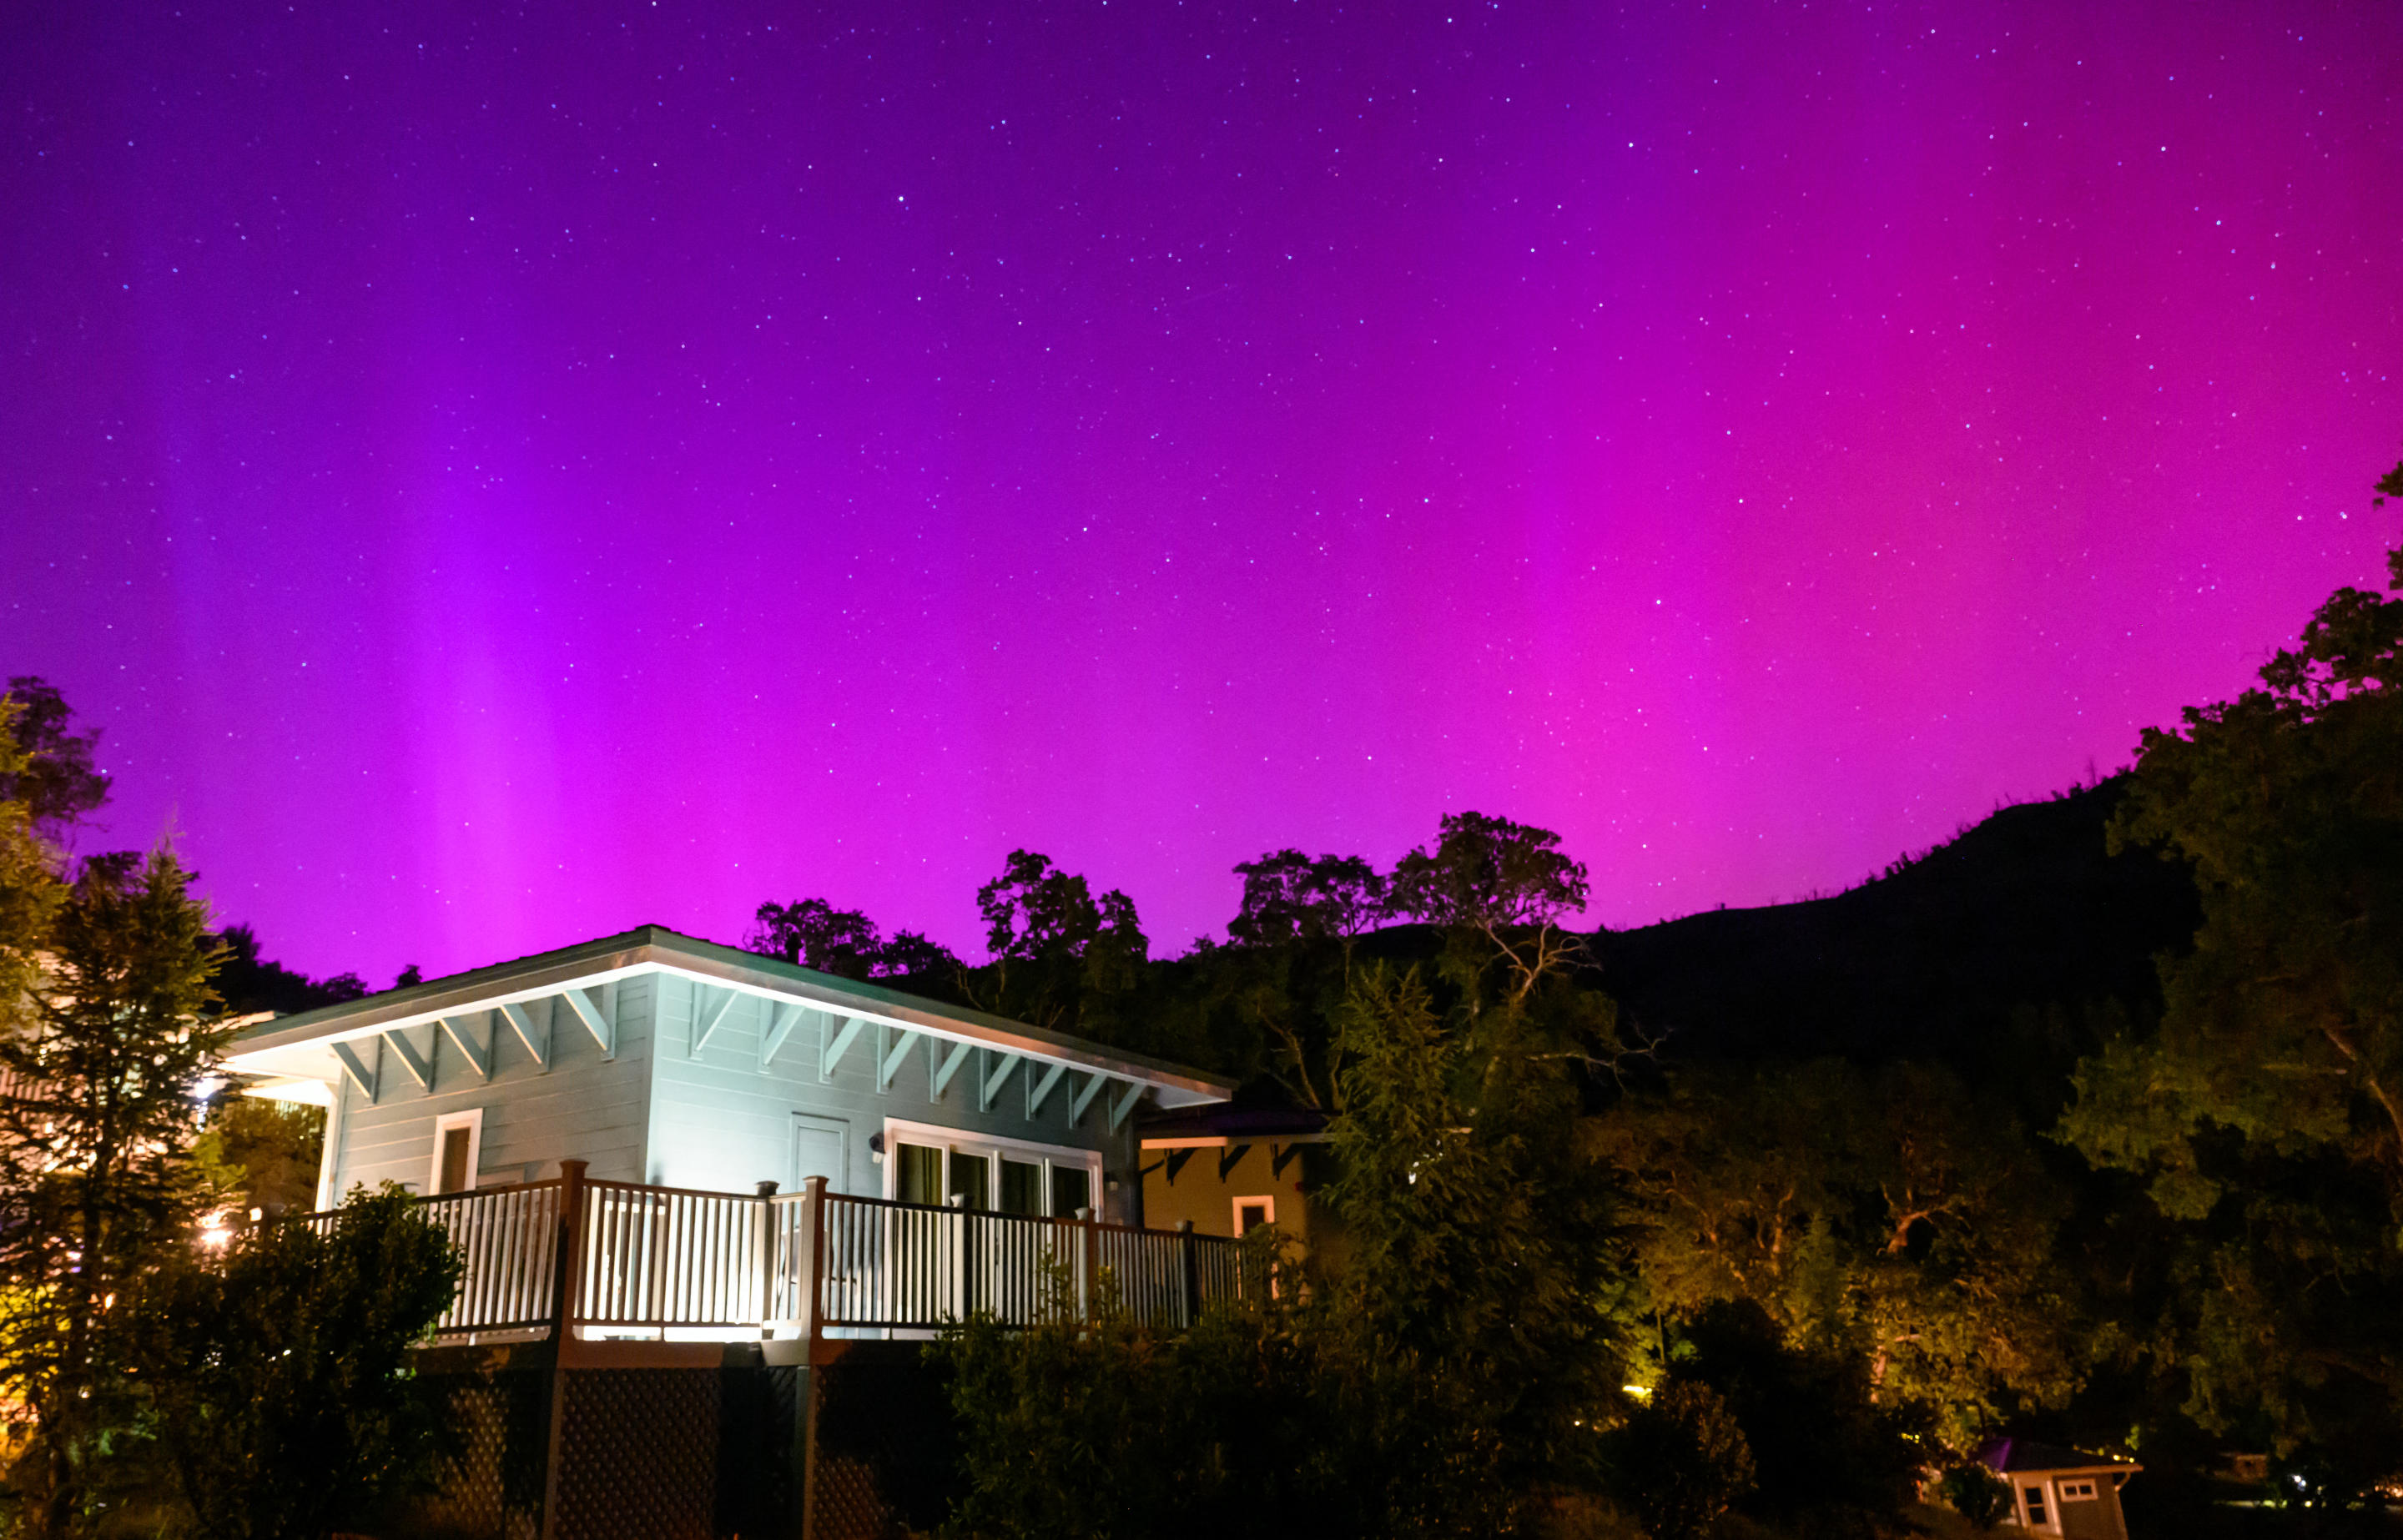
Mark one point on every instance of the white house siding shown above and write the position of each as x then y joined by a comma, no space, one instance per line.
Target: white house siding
586,1106
720,1124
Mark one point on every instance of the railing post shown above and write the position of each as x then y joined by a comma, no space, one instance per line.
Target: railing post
962,1246
1190,1253
809,1267
567,1281
764,1257
809,1289
1091,1283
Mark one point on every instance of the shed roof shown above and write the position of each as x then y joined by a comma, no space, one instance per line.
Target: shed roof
302,1045
2011,1456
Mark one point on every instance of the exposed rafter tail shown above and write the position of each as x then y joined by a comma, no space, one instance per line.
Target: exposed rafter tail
891,1054
1039,1090
360,1075
989,1088
478,1055
834,1041
420,1068
595,1019
942,1067
536,1040
710,1007
1094,1081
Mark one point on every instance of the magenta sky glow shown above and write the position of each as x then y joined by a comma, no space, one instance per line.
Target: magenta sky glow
503,478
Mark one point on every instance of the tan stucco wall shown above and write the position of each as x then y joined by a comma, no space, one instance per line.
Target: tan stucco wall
1201,1194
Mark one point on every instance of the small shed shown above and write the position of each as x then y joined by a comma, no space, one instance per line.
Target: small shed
2058,1490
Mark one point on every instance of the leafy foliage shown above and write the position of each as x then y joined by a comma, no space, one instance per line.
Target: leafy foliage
284,1403
2265,1116
1431,1380
1061,957
845,942
1101,1429
49,768
1487,873
30,889
264,1154
249,983
1890,1214
1975,1492
1290,898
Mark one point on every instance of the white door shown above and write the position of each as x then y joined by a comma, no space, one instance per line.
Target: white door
821,1147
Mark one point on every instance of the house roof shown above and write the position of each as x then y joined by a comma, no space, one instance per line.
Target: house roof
2012,1456
302,1046
1222,1124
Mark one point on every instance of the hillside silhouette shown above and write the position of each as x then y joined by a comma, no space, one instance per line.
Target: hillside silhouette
2006,939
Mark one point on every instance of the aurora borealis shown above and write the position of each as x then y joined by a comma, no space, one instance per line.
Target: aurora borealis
502,475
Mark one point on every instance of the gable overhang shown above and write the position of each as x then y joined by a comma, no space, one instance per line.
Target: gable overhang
304,1047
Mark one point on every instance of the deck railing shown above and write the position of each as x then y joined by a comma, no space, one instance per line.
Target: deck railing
509,1237
668,1262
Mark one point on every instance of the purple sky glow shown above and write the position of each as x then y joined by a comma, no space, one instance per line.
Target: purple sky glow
500,476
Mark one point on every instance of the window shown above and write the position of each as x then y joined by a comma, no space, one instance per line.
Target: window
458,1146
2077,1492
971,1179
918,1174
1021,1186
931,1164
1252,1212
2035,1508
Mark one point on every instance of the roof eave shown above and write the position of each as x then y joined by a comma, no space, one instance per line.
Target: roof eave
652,947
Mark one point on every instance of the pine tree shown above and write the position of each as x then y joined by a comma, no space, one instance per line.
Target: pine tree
97,1187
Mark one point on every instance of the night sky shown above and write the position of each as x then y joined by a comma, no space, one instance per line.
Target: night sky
500,476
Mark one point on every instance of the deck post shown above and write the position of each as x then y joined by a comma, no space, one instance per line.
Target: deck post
1188,1251
809,1267
809,1270
1089,1234
764,1252
567,1282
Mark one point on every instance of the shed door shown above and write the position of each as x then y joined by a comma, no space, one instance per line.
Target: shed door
821,1147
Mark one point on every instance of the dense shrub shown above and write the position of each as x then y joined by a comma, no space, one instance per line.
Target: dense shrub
1975,1493
1681,1461
284,1403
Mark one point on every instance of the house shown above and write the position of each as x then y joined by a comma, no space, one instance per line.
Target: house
2063,1491
669,1062
693,1190
1229,1168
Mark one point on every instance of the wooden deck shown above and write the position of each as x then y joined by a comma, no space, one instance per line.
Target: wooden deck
582,1261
